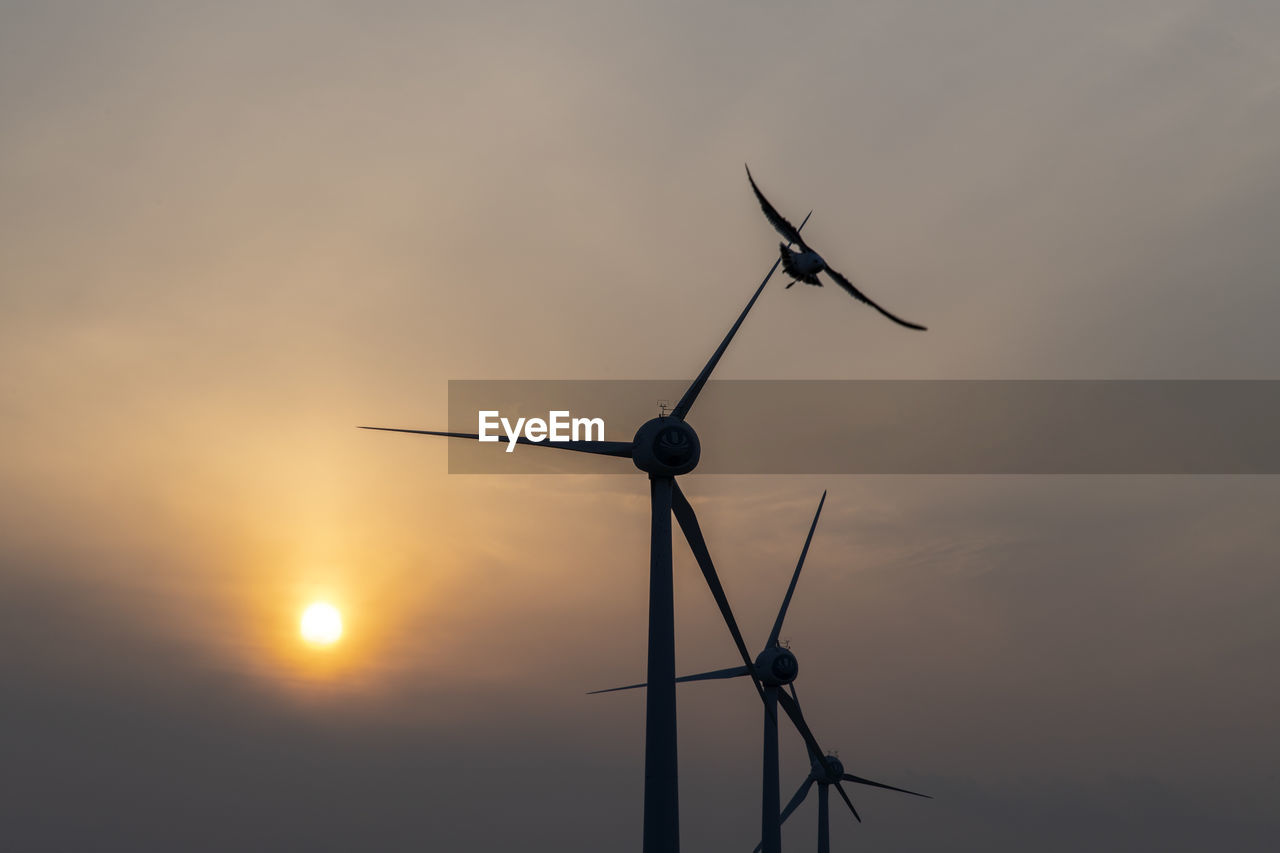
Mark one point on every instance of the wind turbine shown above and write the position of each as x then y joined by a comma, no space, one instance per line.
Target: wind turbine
776,667
827,770
664,448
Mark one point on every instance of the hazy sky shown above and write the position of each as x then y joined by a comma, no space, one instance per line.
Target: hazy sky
231,232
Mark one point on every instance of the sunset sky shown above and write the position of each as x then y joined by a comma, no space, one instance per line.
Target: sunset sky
232,232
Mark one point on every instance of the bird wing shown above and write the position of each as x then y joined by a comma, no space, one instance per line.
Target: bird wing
862,297
776,219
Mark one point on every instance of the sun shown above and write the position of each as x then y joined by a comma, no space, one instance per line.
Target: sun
321,624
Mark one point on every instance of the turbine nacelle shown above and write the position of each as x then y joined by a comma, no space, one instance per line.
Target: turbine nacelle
777,666
666,447
832,772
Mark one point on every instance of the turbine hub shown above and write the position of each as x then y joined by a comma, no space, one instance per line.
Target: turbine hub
777,666
833,764
666,447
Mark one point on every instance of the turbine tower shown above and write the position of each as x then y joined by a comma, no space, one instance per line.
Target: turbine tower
776,667
664,448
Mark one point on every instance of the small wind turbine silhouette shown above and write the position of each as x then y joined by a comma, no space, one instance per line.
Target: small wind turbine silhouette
777,667
664,448
826,769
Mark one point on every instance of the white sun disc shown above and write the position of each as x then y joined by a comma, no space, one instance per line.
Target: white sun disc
321,623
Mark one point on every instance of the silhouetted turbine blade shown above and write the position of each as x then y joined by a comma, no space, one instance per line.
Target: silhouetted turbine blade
786,602
791,806
616,689
796,800
791,704
731,672
795,697
848,802
792,708
693,533
601,448
686,402
849,777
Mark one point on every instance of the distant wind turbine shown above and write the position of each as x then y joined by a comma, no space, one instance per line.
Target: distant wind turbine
805,264
827,770
777,667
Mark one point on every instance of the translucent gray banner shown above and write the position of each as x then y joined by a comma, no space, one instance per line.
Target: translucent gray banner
891,427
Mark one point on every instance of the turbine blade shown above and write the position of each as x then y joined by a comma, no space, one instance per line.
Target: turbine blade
791,806
795,697
796,800
848,802
693,533
849,777
731,672
601,448
791,704
686,402
786,602
616,689
792,707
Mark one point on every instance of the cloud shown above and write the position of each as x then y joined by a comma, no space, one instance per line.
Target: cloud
231,234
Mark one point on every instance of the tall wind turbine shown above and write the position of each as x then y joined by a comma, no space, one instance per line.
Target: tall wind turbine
827,770
776,666
664,448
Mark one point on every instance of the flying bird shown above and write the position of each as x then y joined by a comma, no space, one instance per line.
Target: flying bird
805,264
